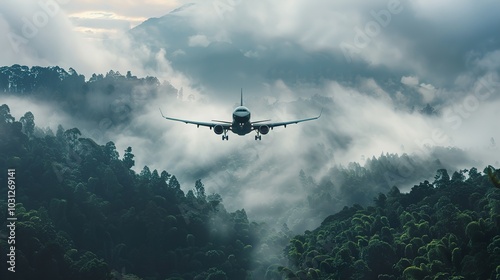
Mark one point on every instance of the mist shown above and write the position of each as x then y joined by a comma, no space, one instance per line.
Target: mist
371,104
263,176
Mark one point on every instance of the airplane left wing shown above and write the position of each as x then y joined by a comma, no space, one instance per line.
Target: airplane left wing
275,124
225,125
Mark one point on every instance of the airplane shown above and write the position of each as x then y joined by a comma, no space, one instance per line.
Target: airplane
241,124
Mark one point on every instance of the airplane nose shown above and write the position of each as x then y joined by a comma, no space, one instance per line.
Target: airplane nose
241,117
242,114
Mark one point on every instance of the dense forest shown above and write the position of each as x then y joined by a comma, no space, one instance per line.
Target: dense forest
84,213
449,229
112,97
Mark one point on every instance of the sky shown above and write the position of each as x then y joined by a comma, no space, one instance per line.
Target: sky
366,63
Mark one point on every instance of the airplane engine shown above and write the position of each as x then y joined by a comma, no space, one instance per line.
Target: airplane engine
264,129
218,129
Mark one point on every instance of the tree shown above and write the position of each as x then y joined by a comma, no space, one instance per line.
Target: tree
214,199
428,110
414,273
421,191
128,158
173,183
165,176
5,116
474,231
458,176
380,257
60,133
474,175
28,121
216,274
381,200
200,190
442,178
493,175
71,136
110,151
145,173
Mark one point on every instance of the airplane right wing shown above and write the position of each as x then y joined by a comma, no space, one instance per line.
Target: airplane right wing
284,124
224,125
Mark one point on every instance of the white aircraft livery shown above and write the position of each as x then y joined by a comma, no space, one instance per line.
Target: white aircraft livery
241,124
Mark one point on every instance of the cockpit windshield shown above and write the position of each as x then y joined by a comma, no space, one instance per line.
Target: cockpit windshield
241,109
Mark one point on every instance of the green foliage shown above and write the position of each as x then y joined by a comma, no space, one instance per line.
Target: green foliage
28,121
120,95
474,232
87,215
379,257
128,158
445,230
89,266
414,273
200,190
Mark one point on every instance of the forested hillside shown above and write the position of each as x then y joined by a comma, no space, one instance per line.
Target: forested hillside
84,214
112,96
449,229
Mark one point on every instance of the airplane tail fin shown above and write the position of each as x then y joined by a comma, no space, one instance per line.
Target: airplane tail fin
241,96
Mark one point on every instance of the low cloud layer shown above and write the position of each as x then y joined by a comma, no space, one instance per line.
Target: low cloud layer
292,61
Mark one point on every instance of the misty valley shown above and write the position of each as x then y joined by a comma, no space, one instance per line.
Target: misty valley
79,207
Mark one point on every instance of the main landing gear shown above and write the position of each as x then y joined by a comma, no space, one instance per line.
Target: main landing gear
258,136
225,136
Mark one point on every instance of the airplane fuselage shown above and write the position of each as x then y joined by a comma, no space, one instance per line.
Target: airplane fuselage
241,121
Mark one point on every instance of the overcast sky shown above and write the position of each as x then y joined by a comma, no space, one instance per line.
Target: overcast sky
436,41
365,62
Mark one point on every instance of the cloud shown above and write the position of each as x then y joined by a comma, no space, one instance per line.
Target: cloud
262,176
37,35
420,38
45,115
289,61
198,41
428,92
104,20
409,80
490,61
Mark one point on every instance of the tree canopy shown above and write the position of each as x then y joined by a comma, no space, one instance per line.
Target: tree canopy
447,229
83,213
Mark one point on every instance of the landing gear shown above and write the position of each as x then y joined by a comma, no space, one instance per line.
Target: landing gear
258,136
225,136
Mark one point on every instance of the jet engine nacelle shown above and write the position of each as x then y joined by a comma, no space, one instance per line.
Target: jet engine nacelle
218,129
264,129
